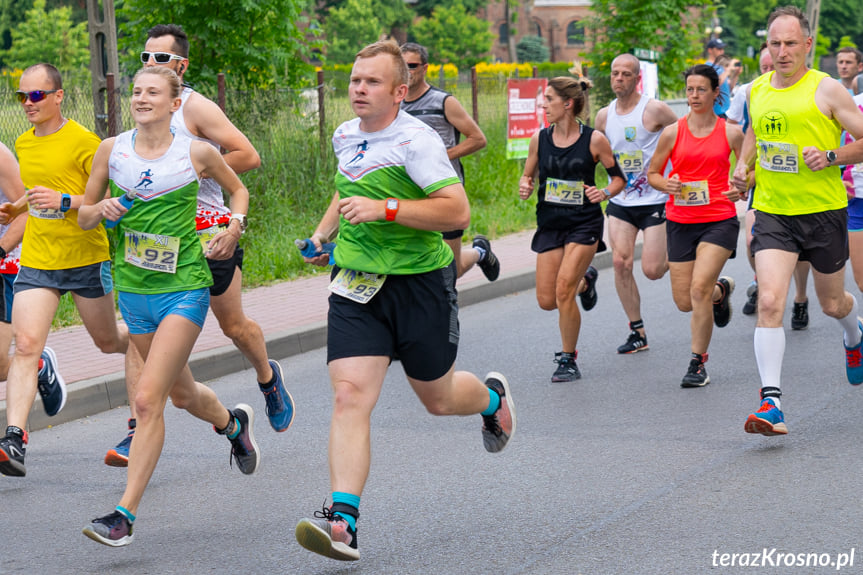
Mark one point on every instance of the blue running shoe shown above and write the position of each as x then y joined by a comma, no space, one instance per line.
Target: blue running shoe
280,404
854,361
51,386
119,455
768,420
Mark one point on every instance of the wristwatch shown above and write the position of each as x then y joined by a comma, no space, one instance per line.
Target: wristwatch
65,202
241,218
831,156
392,208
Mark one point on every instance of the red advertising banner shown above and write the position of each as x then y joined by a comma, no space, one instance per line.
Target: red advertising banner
525,114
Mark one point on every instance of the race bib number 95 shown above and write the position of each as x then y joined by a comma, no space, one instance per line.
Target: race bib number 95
631,162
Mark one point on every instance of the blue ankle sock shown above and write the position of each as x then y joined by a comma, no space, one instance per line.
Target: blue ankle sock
126,513
347,499
481,252
493,402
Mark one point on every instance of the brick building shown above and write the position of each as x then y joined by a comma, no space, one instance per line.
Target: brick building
561,23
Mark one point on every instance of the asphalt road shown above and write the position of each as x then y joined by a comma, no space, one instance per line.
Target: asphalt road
622,472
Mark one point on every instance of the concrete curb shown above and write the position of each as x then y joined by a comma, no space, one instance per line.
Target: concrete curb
101,393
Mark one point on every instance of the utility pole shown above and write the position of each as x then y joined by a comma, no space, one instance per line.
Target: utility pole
813,9
104,61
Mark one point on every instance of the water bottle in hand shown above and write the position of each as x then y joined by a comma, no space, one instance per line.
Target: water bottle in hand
126,199
307,249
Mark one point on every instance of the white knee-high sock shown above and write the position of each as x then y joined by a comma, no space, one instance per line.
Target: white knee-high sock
849,324
769,352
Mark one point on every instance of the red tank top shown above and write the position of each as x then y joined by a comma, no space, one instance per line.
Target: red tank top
697,160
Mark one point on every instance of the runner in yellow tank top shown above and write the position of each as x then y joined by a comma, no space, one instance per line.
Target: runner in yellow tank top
797,115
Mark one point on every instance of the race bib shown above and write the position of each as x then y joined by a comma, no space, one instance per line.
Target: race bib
152,252
693,194
208,234
631,162
357,286
778,157
564,192
47,214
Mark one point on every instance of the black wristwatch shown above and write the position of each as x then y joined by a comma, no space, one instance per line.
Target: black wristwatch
831,157
65,202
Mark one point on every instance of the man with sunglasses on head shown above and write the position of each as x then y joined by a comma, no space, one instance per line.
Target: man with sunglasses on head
57,256
445,114
219,229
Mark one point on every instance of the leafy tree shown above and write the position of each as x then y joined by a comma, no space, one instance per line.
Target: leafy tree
255,43
350,27
453,36
49,36
425,8
670,27
846,42
532,49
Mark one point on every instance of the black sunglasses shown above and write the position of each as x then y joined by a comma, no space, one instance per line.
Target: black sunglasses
414,65
35,96
159,57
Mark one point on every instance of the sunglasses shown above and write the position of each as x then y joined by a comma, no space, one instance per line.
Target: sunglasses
35,96
414,65
159,57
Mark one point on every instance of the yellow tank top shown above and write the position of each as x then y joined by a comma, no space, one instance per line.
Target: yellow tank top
785,121
61,161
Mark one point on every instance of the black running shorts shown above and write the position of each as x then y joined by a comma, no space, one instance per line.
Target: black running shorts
820,239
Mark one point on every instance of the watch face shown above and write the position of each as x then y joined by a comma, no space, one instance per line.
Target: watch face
392,204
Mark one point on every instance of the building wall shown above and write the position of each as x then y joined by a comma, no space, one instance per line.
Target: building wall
551,19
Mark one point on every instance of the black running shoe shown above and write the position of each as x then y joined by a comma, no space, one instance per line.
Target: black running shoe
498,428
113,530
12,452
589,296
722,308
50,383
751,305
566,370
244,449
634,343
800,316
696,375
489,265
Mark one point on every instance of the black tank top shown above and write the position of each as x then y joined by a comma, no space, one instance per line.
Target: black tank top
571,164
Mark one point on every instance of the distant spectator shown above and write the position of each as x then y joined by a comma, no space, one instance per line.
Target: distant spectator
849,64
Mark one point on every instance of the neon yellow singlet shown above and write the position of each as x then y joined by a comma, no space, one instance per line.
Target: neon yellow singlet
60,161
785,121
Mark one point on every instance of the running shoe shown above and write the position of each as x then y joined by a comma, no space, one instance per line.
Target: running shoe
800,316
118,456
280,404
498,428
696,374
566,370
722,308
113,530
51,386
853,363
768,420
12,452
589,295
751,305
328,534
244,449
634,343
489,265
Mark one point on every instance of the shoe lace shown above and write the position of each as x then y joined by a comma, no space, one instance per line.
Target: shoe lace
853,357
273,400
799,312
765,406
326,513
695,367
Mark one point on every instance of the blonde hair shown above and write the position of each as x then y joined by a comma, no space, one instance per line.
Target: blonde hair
169,75
389,48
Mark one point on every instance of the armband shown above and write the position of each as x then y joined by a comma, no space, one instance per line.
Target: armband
615,170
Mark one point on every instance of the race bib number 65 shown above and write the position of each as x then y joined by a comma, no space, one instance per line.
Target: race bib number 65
778,157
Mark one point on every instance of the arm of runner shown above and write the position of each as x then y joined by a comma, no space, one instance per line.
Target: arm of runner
734,135
601,118
658,115
94,203
531,167
444,209
326,231
13,188
602,153
656,170
205,119
746,159
474,138
206,159
837,99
